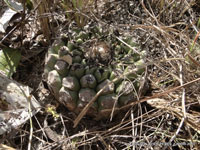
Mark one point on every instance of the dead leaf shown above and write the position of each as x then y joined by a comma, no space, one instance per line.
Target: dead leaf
5,19
15,101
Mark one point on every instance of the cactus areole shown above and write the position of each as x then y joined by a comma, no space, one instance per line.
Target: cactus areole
78,68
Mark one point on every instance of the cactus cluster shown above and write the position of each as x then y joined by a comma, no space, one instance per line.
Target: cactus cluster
77,68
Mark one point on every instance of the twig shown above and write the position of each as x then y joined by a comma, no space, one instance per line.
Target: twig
133,129
183,106
30,115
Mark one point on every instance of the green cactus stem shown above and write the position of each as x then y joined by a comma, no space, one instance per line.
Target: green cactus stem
115,74
57,45
55,82
90,70
64,50
106,105
125,88
141,66
77,59
126,99
82,35
51,60
61,67
77,70
68,98
84,62
118,49
102,74
88,81
71,45
76,52
85,95
79,41
71,83
91,61
107,101
110,87
131,72
46,72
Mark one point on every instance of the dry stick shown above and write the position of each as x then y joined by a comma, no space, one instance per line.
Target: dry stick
183,106
146,10
134,133
44,22
166,8
191,123
30,115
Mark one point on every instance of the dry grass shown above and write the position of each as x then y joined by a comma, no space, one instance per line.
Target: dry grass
43,9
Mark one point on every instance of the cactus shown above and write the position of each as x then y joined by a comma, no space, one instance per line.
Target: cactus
68,98
77,70
116,73
110,87
101,74
60,67
54,81
107,101
106,105
88,81
125,88
51,60
71,83
74,78
126,99
85,95
64,50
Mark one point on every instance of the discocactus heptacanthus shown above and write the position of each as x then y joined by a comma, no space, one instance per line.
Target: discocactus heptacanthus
77,69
